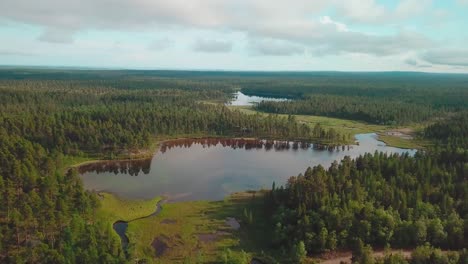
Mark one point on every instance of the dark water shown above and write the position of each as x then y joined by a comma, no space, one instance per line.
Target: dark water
120,227
211,169
242,99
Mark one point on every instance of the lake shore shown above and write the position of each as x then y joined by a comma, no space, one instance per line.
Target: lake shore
211,168
156,145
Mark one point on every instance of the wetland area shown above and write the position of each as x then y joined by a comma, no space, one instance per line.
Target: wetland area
162,166
208,177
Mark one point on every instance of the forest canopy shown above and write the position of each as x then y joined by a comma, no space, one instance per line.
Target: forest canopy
382,200
50,115
45,117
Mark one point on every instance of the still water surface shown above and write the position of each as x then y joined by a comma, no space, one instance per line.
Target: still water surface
210,169
242,99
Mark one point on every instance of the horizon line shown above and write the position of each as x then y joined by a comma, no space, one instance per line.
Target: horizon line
111,68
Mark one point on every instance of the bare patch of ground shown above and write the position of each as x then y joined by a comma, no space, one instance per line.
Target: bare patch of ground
232,223
405,130
400,134
207,238
211,237
168,221
160,245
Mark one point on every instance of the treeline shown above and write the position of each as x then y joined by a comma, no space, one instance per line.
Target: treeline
48,217
371,110
440,91
379,98
380,200
361,96
74,117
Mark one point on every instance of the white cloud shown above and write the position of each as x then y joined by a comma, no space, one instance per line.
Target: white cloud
160,44
326,20
15,53
415,63
209,45
281,27
362,10
272,47
353,42
370,11
409,8
411,62
450,57
56,35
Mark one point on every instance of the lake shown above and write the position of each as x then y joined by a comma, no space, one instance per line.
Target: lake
210,169
242,99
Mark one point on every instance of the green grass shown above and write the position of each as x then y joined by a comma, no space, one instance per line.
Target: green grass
187,221
403,143
341,125
114,208
208,217
190,219
72,161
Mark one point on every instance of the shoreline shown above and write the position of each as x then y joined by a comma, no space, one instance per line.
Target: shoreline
354,127
160,143
156,146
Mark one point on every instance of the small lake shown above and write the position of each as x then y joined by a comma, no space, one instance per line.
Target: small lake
242,99
210,169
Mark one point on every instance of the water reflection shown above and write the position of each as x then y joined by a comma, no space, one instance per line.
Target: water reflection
236,143
130,167
211,168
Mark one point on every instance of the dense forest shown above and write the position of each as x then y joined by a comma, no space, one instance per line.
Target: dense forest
46,116
94,115
446,90
379,98
46,216
452,132
381,200
377,111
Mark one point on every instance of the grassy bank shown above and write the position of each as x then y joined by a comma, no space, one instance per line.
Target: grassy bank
184,231
114,208
350,128
399,142
197,231
70,161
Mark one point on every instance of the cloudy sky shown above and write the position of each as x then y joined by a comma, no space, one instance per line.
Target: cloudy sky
305,35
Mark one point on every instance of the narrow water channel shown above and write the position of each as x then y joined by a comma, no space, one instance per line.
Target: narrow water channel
120,226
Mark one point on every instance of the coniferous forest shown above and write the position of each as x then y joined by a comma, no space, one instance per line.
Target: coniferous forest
374,201
47,216
381,200
378,98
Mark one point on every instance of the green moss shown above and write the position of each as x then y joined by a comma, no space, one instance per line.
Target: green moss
113,208
179,225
